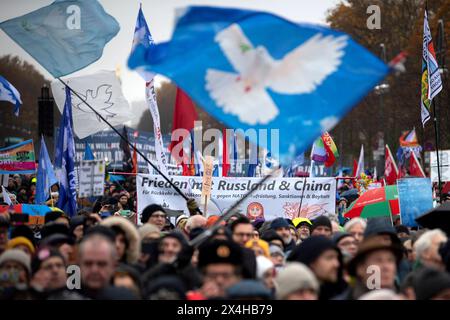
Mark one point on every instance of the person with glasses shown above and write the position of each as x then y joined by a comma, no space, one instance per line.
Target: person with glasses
241,232
154,214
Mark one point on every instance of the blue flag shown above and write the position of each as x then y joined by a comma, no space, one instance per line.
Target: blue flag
10,94
256,70
65,161
142,37
64,36
45,175
88,154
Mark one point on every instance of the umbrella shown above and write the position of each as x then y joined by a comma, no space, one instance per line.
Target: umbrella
438,217
351,195
374,203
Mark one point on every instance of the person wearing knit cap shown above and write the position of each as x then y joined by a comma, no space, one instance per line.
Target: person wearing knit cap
372,255
324,259
265,271
248,290
282,228
277,256
296,282
15,267
303,226
260,247
49,270
346,243
181,218
149,231
273,239
154,214
23,244
432,284
381,228
321,226
76,227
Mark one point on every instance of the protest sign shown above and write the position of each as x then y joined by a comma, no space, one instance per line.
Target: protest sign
18,158
91,178
415,198
280,197
444,163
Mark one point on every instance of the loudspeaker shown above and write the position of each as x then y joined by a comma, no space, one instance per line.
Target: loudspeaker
45,103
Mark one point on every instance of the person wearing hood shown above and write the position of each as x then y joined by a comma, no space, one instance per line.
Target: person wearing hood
173,257
324,259
127,239
321,226
282,228
374,266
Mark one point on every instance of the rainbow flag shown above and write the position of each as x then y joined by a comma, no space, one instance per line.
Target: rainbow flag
324,150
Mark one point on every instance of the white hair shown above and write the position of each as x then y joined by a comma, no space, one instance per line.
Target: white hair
354,222
381,294
424,242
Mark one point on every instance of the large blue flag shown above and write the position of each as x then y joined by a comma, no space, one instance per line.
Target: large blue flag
45,175
257,70
65,161
10,94
64,36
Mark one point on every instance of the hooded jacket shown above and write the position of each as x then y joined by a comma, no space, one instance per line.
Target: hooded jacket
131,234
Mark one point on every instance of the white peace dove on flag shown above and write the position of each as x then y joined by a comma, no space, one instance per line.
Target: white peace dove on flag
102,90
243,93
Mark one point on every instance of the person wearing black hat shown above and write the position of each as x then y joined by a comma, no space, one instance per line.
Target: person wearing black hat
220,263
324,259
282,228
154,214
273,239
321,226
373,267
402,231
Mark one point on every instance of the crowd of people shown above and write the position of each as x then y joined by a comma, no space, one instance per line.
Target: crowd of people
105,253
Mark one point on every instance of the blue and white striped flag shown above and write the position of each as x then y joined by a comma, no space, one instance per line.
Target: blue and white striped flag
10,94
65,162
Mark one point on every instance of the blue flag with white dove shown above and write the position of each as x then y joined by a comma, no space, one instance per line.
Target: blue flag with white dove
45,175
257,70
65,36
10,94
65,161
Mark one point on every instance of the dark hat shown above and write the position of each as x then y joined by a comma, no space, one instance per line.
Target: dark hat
321,221
279,223
310,249
248,289
195,232
54,227
270,235
23,231
149,210
338,236
430,282
110,201
42,255
178,236
166,288
4,222
53,215
56,239
258,223
368,246
75,222
125,269
402,228
101,230
379,225
219,251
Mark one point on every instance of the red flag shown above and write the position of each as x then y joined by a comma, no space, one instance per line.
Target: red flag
355,167
415,169
225,160
390,168
134,160
183,118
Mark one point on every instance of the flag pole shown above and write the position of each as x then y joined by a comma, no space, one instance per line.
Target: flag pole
129,143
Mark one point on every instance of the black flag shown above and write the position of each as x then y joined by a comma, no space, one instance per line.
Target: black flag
127,162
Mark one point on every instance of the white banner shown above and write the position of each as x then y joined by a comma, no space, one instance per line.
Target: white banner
91,178
153,106
103,92
280,197
444,163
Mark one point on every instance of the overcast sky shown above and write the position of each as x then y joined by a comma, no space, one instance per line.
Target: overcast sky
160,18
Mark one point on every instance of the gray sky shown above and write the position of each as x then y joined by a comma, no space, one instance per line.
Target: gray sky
160,18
